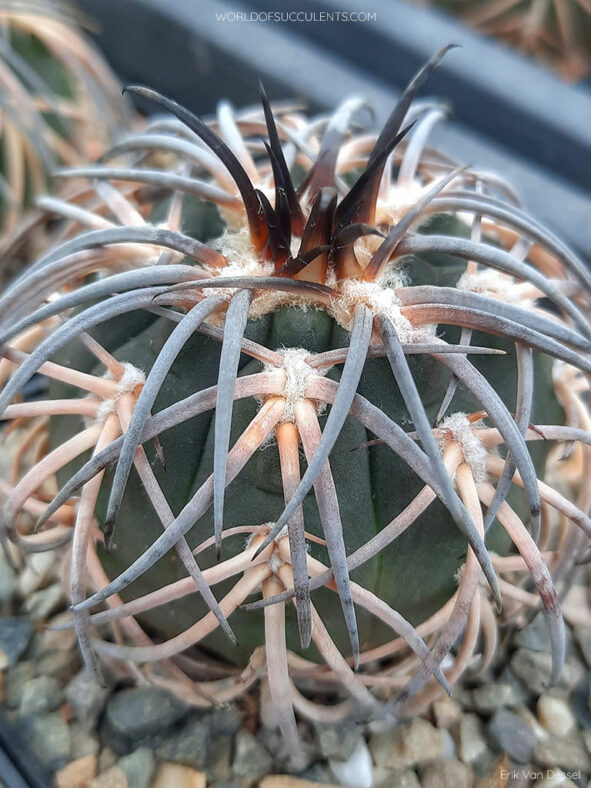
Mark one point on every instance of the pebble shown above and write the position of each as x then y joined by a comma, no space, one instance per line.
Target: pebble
61,664
59,639
356,771
40,695
7,579
111,778
226,720
251,759
189,745
16,680
583,638
48,736
107,758
407,745
140,711
557,779
86,697
15,634
534,636
337,741
472,744
286,781
447,712
569,753
219,758
83,742
36,573
491,697
77,773
534,670
445,773
511,734
555,715
42,604
404,779
173,775
496,775
138,767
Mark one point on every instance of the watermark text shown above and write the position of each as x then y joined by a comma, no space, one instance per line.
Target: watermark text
296,16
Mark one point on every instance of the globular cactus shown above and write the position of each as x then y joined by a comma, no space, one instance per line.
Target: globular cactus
555,31
292,359
61,103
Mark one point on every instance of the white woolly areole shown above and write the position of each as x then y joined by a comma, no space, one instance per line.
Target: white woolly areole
132,378
399,201
236,246
242,259
495,285
379,299
474,452
297,372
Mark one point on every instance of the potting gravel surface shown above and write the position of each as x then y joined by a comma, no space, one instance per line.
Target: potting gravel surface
507,728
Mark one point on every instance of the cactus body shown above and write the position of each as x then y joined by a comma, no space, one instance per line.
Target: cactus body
318,430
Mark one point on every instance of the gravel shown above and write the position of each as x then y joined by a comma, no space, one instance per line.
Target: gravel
508,722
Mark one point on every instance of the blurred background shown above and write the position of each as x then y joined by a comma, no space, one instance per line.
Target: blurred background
518,87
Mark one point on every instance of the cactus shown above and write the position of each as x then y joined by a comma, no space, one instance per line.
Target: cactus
60,101
292,359
555,31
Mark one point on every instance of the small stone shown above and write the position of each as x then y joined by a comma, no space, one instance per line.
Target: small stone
49,738
444,773
407,745
556,779
569,753
535,669
138,767
491,697
107,758
511,734
39,569
579,703
337,741
285,781
86,697
583,638
173,775
356,771
61,664
111,778
60,639
15,634
404,779
77,773
42,604
225,720
138,712
496,775
534,636
555,715
447,712
251,759
41,695
7,579
17,678
189,745
518,694
219,757
532,721
472,744
83,742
